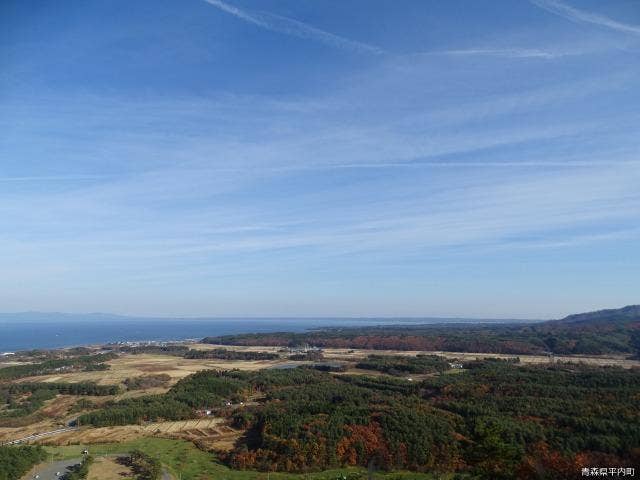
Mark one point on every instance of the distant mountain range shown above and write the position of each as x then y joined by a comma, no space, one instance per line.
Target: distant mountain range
626,314
61,316
629,313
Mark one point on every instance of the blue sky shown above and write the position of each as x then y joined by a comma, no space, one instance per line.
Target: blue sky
300,157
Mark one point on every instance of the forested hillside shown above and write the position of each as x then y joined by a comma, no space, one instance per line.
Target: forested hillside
629,313
84,362
496,419
607,331
22,399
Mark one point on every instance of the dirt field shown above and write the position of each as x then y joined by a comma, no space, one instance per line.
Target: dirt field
128,366
210,346
11,364
59,406
57,411
209,430
13,433
357,354
108,468
618,360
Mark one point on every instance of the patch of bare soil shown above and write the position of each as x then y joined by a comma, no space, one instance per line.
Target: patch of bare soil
197,429
109,468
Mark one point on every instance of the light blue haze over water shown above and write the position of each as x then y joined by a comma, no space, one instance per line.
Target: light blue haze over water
26,331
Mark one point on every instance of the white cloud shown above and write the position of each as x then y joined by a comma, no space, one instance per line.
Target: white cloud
51,178
249,186
295,28
582,16
505,52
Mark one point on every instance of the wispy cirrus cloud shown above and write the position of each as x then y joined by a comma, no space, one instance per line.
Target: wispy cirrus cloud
462,157
506,52
51,178
582,16
295,28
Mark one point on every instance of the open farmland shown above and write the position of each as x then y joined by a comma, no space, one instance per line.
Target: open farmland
128,366
54,414
348,354
211,431
59,411
217,433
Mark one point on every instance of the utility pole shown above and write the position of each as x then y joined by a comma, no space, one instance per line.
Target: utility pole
370,469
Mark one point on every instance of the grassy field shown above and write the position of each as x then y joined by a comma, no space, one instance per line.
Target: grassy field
128,366
183,460
60,410
348,354
108,468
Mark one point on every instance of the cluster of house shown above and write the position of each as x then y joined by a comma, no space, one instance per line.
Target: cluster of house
302,349
205,412
142,343
64,368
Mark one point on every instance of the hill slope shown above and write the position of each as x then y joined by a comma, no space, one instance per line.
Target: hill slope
630,313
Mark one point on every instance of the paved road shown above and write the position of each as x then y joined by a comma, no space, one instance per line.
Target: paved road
36,436
71,425
48,471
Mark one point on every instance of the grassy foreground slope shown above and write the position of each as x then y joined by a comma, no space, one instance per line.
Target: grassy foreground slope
183,459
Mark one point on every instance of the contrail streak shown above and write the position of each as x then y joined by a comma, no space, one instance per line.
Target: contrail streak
581,16
59,178
295,28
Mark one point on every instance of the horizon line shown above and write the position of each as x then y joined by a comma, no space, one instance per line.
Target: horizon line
274,317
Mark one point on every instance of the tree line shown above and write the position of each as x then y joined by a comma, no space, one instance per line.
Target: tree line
79,471
84,362
496,419
144,466
616,331
19,405
226,354
190,353
16,461
397,365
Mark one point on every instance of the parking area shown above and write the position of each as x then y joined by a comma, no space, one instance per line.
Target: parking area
48,471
